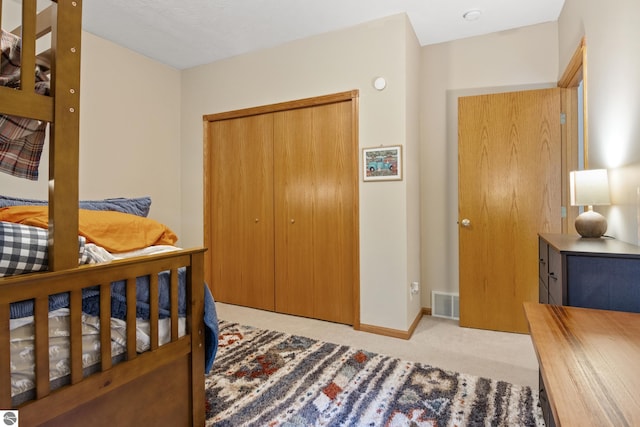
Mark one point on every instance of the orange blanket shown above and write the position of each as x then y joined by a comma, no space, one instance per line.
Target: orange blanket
114,231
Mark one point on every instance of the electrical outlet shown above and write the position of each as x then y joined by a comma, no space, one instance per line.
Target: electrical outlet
414,288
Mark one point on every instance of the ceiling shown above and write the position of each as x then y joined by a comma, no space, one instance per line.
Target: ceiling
187,33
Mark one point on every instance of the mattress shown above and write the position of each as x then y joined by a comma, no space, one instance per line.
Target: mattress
22,347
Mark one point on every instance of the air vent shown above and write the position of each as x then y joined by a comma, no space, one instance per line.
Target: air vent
445,304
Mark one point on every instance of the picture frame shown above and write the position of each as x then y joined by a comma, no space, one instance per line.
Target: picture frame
382,163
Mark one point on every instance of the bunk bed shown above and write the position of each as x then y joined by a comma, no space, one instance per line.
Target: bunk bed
159,384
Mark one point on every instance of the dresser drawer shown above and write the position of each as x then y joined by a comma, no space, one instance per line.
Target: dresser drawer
544,403
601,273
543,292
604,283
543,259
555,277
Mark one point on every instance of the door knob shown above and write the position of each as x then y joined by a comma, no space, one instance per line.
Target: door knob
466,222
293,221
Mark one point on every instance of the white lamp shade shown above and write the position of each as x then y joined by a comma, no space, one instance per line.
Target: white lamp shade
589,187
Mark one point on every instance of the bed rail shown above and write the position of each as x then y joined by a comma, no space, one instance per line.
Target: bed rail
82,389
63,21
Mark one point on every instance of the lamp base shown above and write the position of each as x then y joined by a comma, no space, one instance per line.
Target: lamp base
591,224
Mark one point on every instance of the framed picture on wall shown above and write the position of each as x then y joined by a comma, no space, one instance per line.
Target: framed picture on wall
382,163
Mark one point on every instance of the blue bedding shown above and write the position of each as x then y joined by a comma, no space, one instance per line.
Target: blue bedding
91,305
139,206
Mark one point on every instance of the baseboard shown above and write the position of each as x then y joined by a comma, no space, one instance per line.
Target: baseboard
395,333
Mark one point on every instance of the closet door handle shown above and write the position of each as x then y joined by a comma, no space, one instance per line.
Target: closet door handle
257,220
293,221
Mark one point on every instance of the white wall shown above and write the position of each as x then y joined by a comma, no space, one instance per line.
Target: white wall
129,132
613,98
509,60
130,129
413,170
329,63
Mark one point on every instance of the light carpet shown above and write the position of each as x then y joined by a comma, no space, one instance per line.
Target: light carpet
270,378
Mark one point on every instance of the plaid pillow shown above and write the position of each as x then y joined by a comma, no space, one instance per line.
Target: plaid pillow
24,249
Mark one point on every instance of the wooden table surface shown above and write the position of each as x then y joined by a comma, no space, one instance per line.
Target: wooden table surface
590,363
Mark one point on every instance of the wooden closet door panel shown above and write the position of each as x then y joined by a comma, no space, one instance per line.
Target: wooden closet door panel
242,211
294,203
334,260
314,205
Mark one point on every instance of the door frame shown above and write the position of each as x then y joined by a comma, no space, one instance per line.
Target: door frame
574,74
353,96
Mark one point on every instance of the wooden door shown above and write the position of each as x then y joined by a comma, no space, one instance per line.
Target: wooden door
315,180
241,210
509,178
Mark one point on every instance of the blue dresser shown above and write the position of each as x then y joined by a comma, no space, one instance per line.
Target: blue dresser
599,273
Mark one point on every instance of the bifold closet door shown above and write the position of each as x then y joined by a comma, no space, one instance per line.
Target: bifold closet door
314,211
241,214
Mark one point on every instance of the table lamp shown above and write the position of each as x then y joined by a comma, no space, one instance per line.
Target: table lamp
590,188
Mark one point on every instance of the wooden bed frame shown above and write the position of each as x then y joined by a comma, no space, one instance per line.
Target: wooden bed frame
164,386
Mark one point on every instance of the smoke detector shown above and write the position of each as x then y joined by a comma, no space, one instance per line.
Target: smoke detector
472,15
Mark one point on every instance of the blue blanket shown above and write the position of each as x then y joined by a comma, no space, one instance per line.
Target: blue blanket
91,305
212,332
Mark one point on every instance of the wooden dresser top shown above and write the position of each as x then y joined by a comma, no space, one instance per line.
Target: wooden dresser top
590,363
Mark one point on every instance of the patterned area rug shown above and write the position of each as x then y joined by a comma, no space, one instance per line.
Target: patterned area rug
268,378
